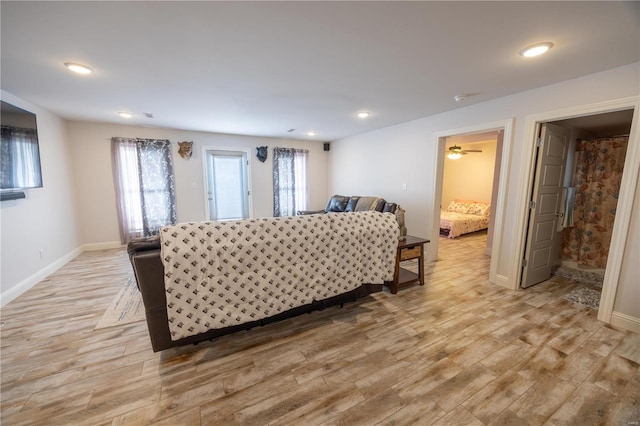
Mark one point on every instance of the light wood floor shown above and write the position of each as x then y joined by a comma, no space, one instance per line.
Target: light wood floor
458,351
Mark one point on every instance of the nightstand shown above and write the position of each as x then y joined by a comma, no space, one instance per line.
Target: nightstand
408,249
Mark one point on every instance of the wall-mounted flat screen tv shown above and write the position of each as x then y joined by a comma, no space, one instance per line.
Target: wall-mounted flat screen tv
19,150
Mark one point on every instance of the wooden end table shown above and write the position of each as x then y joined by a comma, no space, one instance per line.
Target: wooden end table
408,249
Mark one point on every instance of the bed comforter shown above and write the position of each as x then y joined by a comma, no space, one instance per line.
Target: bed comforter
462,223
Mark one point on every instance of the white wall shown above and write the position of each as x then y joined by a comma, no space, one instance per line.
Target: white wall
374,163
47,219
91,158
407,152
471,176
628,296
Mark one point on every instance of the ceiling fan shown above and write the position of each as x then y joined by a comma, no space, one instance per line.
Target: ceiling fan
456,152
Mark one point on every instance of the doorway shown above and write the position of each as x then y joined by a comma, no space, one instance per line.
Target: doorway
226,184
575,188
625,202
470,181
584,247
498,194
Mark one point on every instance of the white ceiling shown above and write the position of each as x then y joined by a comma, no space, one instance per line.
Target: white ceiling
262,68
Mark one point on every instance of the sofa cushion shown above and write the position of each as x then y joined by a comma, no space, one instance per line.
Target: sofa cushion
337,203
370,203
389,208
351,205
399,213
143,244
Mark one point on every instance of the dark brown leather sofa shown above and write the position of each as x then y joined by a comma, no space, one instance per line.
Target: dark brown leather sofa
355,203
149,273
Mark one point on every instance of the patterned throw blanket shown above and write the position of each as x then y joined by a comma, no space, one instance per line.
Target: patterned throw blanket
220,274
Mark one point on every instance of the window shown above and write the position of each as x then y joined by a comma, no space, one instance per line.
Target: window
290,181
227,185
145,189
20,158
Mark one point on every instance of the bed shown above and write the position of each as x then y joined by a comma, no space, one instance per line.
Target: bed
463,217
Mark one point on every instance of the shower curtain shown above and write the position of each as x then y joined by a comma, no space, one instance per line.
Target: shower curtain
597,177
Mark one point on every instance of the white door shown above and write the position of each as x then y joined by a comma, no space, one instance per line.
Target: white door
227,185
545,205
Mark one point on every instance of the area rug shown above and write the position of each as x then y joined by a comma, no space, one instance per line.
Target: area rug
126,307
584,277
584,296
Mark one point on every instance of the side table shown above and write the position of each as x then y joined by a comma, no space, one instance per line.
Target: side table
408,249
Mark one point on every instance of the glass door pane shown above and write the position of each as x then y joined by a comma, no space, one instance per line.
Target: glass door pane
228,192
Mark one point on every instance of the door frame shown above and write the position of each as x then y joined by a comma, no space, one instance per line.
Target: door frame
205,180
625,200
499,210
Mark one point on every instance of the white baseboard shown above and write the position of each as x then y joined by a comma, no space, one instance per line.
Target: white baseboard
102,246
29,282
34,279
625,321
502,281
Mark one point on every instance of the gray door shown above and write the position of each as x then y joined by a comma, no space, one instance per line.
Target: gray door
545,205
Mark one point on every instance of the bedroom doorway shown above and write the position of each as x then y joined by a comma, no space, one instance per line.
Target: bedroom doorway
497,137
469,185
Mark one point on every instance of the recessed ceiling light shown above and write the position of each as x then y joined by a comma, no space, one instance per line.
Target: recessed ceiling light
459,98
125,114
311,133
78,68
536,49
364,114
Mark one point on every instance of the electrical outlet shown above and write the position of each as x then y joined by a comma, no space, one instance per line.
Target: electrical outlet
404,186
41,253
